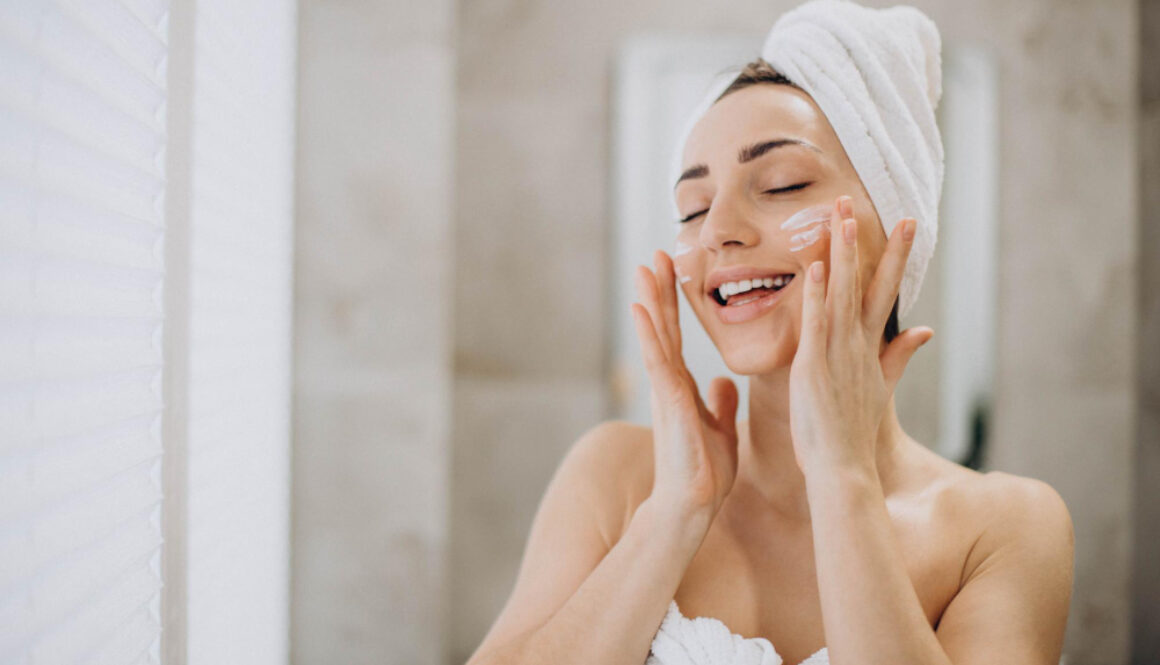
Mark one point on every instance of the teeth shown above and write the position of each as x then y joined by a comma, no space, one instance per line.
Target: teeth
733,288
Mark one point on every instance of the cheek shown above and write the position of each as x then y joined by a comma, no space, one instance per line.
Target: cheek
685,261
806,227
817,250
804,241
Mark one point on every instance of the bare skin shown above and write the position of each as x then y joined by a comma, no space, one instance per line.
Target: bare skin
920,560
755,570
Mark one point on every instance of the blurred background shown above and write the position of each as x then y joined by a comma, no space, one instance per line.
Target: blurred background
395,243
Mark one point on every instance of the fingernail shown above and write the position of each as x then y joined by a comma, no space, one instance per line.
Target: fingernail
846,206
849,231
908,229
816,271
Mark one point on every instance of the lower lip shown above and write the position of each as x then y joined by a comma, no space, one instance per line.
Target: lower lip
750,310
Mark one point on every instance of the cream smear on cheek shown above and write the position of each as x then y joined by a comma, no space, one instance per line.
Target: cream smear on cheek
814,219
681,250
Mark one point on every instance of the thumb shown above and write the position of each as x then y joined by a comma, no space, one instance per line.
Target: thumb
899,352
722,402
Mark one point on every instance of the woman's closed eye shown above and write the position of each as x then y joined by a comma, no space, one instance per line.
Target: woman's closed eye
781,190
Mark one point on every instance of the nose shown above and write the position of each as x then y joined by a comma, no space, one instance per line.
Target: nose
728,223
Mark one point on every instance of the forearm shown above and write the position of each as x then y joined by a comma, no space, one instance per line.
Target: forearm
614,614
871,612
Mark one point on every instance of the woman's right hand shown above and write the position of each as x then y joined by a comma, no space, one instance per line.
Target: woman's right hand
694,444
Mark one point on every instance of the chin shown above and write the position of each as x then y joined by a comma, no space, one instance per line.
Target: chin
749,358
761,346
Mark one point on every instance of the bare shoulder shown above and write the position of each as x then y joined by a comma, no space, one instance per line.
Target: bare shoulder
1005,500
993,496
575,526
1026,509
615,460
1007,512
1015,582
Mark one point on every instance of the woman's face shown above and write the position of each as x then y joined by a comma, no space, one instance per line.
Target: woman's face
744,200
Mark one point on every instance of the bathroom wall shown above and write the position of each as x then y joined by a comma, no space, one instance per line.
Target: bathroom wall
1146,581
1068,269
531,228
372,331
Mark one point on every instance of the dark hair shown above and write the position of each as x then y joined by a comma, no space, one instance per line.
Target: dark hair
760,71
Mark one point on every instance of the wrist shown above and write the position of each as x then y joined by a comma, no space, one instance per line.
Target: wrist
679,523
830,462
829,476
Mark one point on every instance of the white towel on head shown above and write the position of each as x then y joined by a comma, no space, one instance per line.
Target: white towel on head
876,75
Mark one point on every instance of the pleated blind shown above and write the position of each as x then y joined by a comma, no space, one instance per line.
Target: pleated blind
240,289
82,143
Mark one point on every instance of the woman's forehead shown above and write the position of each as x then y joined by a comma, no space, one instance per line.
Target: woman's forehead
759,112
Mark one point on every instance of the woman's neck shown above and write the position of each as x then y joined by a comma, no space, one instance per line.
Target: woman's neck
767,469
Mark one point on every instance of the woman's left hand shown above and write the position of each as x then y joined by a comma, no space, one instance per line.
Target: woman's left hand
839,383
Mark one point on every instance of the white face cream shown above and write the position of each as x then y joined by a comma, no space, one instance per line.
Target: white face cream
817,217
808,216
680,250
677,266
800,241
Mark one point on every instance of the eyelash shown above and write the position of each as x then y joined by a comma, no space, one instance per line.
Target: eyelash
791,188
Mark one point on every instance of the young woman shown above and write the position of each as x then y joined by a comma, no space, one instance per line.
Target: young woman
816,531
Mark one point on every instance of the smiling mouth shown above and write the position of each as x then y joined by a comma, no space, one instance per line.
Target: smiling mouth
733,294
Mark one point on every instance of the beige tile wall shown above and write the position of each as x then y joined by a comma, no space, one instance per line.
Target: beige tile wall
1146,581
373,321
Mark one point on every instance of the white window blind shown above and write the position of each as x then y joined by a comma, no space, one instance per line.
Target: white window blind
82,142
240,290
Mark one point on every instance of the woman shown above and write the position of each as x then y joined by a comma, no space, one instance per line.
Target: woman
817,531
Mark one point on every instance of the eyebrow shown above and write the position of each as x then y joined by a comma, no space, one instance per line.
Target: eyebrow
746,154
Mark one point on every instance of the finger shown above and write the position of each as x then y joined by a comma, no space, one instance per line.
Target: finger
666,272
692,382
660,371
841,296
883,289
814,323
668,381
650,346
899,352
668,368
723,400
646,290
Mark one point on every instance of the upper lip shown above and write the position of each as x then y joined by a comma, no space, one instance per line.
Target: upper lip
738,273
